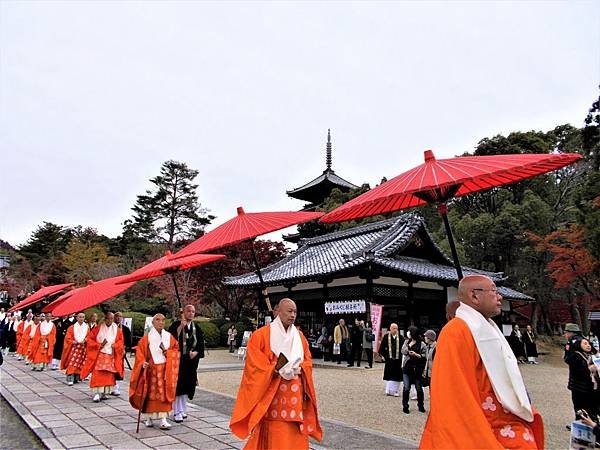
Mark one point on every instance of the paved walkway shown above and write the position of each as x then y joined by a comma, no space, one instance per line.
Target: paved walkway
64,417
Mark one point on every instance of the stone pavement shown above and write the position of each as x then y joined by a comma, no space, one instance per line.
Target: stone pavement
64,416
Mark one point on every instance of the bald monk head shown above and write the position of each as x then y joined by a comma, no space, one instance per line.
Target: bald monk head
108,319
158,322
480,293
394,329
451,308
287,312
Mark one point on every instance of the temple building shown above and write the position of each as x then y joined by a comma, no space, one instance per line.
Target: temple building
393,262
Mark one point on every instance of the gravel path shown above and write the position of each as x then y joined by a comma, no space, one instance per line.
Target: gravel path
355,396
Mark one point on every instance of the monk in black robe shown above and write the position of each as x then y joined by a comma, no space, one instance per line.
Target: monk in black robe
190,337
62,325
390,352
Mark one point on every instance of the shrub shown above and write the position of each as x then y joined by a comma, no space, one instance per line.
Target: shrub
219,322
88,312
211,333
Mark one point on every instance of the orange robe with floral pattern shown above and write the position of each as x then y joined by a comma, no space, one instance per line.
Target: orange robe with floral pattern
275,412
162,377
73,355
23,337
465,413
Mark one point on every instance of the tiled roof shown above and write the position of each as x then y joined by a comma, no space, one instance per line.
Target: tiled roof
379,244
327,176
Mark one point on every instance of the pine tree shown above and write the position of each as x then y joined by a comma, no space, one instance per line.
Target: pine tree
170,212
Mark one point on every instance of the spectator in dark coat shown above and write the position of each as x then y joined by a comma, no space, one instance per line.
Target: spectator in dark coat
367,343
414,357
62,325
583,378
516,343
356,339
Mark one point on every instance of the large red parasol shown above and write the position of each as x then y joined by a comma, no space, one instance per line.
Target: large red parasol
50,306
93,294
244,227
168,265
41,293
436,181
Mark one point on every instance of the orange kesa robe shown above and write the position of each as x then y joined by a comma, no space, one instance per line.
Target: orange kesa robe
42,346
93,358
465,413
266,407
73,355
160,393
23,337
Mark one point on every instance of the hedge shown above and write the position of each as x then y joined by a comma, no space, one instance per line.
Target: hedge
211,333
139,319
240,328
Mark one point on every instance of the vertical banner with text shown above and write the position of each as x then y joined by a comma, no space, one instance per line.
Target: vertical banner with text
376,313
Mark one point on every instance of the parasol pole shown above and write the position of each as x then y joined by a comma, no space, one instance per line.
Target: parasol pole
443,212
263,288
176,290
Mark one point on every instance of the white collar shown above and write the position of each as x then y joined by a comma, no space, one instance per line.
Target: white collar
499,361
80,331
289,343
46,327
154,341
108,333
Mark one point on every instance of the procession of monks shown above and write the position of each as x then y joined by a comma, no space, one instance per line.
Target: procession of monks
478,398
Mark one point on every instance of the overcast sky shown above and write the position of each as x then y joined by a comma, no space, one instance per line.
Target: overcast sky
95,96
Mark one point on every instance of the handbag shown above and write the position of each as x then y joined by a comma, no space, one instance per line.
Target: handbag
336,349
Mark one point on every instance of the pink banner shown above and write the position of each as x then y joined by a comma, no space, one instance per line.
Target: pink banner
376,314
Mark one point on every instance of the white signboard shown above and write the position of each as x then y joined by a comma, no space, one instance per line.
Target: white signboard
127,321
346,307
147,325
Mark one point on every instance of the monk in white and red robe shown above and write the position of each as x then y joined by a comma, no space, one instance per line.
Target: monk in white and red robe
276,404
156,363
478,398
73,354
42,343
104,357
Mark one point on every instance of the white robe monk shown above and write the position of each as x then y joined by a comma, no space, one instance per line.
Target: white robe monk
153,382
74,350
277,408
478,398
104,357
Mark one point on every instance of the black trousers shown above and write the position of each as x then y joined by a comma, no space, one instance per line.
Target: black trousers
369,352
587,401
355,355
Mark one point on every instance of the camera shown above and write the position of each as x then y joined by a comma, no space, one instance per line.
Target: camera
582,413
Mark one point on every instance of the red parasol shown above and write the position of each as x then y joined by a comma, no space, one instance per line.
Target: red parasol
168,265
244,227
436,181
50,306
93,294
44,291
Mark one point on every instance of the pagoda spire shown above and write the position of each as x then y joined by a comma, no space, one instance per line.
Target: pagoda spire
328,157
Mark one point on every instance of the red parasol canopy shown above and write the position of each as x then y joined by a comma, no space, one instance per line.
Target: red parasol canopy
91,295
44,291
436,181
50,306
168,265
246,226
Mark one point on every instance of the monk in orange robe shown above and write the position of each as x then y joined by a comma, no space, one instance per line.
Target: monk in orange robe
104,357
157,363
73,355
42,343
478,398
28,336
22,340
276,404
